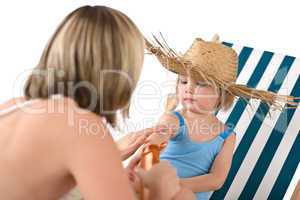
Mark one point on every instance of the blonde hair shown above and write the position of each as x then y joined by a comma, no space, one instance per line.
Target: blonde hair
226,99
99,51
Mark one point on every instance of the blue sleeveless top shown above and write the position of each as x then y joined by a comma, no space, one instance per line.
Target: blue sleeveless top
191,158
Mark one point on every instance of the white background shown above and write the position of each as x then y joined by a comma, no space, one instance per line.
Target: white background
26,26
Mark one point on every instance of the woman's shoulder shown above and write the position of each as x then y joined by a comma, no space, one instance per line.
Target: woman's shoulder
72,129
71,116
12,102
63,118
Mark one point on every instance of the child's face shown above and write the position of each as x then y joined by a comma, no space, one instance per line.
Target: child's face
197,96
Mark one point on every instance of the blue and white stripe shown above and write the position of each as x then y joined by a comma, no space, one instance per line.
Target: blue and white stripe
265,159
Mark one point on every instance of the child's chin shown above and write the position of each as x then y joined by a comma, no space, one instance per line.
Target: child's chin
199,109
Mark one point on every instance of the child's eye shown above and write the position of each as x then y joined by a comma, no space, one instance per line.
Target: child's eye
183,82
201,84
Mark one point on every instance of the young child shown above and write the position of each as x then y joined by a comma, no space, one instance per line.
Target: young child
201,148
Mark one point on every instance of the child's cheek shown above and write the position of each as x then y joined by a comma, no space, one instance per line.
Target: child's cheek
180,94
206,100
207,104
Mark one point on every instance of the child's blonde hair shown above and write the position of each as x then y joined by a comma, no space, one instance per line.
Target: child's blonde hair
89,42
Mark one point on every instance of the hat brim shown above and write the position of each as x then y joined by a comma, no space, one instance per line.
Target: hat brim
175,63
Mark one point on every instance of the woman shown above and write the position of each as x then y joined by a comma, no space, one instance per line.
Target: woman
57,137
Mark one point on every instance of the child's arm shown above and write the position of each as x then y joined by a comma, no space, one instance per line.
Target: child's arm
170,125
218,173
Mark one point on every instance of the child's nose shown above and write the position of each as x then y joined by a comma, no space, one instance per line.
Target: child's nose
189,88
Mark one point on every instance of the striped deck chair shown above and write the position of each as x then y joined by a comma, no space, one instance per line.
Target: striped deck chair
266,159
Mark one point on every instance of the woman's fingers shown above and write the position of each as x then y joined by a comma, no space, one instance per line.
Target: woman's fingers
139,137
140,140
137,144
159,128
135,160
129,144
134,179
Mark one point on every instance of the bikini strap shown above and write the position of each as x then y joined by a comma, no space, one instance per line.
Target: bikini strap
14,107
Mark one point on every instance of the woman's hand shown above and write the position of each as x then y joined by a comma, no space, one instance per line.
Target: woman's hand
161,180
132,141
134,179
158,139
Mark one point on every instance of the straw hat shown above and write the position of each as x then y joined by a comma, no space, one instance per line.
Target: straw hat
216,63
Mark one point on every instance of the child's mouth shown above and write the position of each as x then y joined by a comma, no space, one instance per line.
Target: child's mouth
188,100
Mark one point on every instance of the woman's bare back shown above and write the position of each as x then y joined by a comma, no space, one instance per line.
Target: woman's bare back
30,163
42,154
